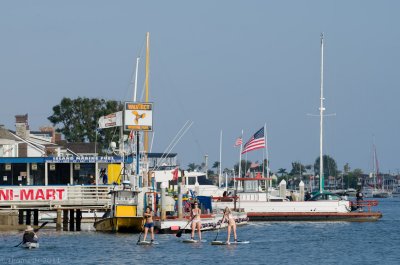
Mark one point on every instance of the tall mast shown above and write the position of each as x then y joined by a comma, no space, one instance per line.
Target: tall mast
146,137
321,114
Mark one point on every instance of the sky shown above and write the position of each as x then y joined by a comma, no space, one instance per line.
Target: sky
225,65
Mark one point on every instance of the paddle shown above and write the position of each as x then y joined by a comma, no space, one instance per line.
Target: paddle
34,230
137,243
220,226
179,234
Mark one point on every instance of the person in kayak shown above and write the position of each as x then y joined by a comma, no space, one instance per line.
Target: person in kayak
196,221
231,224
29,235
149,223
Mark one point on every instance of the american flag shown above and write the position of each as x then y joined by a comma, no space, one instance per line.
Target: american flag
257,141
238,141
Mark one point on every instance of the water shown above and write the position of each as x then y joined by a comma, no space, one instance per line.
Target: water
270,243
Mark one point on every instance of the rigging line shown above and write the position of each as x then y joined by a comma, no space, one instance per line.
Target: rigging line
174,139
168,149
176,142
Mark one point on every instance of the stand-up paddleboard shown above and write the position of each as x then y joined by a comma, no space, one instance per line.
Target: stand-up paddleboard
147,243
194,241
222,243
190,241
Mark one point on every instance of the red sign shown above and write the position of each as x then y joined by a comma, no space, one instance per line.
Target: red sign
32,194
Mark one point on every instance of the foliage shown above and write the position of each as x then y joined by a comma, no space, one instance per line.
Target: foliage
192,167
297,169
245,165
330,167
77,119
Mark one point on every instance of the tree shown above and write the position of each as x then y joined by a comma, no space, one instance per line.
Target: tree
330,167
245,165
192,167
77,119
297,169
282,171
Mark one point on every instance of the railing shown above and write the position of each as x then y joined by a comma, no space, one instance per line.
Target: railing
54,196
361,204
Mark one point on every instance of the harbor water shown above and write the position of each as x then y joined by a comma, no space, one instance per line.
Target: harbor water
270,243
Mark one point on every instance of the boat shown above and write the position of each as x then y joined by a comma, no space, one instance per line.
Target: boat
323,206
30,245
123,215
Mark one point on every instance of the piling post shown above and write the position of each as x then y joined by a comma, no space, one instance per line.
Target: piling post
163,212
78,219
58,221
282,189
28,217
35,217
65,220
72,220
301,190
180,213
20,217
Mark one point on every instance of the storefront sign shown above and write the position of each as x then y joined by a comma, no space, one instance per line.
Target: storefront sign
84,159
33,194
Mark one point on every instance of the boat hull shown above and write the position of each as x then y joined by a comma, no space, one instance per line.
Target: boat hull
120,224
317,217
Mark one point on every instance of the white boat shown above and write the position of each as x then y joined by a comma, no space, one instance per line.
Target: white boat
324,206
30,245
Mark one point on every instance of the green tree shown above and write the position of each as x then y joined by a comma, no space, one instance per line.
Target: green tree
192,167
297,169
330,167
77,119
245,165
352,178
282,171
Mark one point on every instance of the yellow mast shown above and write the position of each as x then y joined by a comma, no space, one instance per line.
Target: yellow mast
146,136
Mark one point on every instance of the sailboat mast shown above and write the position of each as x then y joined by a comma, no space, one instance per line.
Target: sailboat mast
321,113
220,161
146,136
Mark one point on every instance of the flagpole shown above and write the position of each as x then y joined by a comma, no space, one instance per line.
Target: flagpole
240,159
267,164
220,160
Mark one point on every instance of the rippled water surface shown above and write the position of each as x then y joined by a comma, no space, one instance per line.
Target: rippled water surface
270,243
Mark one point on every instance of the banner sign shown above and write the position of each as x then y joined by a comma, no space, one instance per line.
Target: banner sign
33,194
111,120
138,116
84,159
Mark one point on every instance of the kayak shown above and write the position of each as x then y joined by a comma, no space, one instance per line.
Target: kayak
30,245
216,243
147,243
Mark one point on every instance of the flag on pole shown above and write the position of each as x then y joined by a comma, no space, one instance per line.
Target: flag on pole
131,135
238,141
257,141
175,174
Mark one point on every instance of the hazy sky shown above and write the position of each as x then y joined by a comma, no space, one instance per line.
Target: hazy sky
225,65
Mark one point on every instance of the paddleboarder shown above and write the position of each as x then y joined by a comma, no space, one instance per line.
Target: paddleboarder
148,215
196,221
29,235
231,224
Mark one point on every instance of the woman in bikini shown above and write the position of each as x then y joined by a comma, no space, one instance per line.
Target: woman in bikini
196,221
231,224
148,215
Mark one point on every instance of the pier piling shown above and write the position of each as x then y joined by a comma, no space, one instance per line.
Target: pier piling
78,219
72,220
58,220
28,217
20,217
35,217
65,220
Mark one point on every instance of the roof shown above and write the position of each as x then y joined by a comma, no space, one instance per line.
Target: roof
159,155
6,134
82,148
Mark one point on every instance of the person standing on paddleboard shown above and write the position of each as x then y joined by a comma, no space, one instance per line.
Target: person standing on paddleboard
196,221
231,224
29,235
148,215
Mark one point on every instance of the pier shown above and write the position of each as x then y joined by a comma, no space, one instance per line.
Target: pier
63,205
